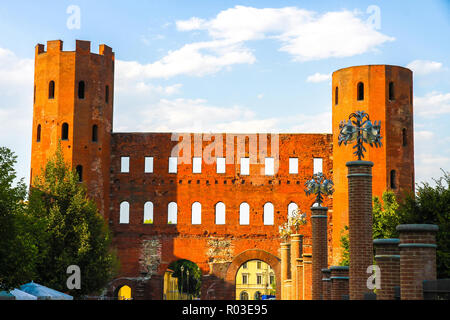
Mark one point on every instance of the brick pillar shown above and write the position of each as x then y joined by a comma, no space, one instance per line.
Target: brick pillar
326,284
339,282
288,289
319,222
296,253
299,279
360,226
387,257
307,276
285,268
417,258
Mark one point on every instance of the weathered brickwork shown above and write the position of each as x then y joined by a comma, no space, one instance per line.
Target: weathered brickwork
387,257
339,282
83,100
417,258
319,221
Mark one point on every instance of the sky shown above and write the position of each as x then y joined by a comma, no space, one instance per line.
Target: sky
233,66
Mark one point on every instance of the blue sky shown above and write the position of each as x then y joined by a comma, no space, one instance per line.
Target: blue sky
239,66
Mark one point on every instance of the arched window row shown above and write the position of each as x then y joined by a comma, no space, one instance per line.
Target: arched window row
271,167
196,213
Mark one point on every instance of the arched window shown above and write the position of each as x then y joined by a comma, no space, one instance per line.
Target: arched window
148,213
65,131
292,207
94,133
360,91
172,213
404,138
391,91
38,133
244,295
51,90
244,214
196,213
124,213
268,214
336,95
257,295
81,89
107,94
220,213
79,170
393,179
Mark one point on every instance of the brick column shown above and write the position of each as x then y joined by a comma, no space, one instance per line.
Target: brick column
319,222
296,253
307,276
288,289
300,279
326,284
360,226
339,282
417,258
285,268
387,257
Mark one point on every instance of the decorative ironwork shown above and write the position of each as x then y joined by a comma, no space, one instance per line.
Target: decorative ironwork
296,219
319,186
359,128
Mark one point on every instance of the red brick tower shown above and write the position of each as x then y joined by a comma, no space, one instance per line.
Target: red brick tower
73,103
385,93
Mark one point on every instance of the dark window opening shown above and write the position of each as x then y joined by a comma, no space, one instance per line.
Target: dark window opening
391,91
360,91
405,140
38,134
81,89
34,94
51,90
107,94
94,133
80,173
393,178
336,95
65,132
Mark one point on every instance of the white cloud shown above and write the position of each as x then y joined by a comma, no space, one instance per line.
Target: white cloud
424,135
318,77
16,113
421,67
303,34
432,104
195,59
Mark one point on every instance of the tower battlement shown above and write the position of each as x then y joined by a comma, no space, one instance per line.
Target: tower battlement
81,47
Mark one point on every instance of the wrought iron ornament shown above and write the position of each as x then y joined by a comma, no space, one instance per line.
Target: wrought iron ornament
319,186
359,128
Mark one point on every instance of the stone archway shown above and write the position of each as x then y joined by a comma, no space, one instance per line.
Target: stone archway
251,254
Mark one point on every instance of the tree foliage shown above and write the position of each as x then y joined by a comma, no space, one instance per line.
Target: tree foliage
385,216
18,250
345,246
432,205
191,286
74,231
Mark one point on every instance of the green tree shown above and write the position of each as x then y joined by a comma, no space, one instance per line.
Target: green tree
385,216
345,245
75,232
18,250
432,205
195,276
